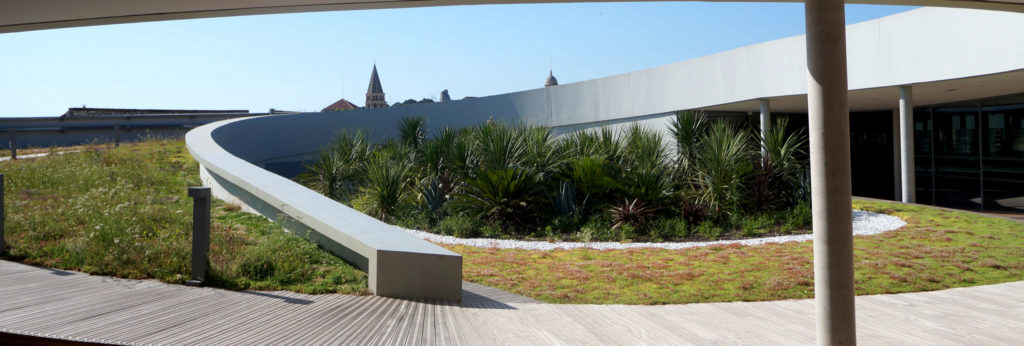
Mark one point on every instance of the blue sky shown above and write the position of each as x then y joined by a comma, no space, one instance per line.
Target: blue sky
303,61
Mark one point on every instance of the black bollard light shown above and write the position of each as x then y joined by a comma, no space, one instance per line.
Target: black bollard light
200,234
14,146
3,217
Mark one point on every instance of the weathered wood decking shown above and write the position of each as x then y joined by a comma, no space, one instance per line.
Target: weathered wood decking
69,305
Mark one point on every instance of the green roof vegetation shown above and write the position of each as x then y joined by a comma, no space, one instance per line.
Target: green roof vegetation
937,249
124,212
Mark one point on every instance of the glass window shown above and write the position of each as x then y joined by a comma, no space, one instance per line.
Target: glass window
1003,160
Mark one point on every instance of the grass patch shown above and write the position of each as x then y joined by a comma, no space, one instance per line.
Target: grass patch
938,249
124,212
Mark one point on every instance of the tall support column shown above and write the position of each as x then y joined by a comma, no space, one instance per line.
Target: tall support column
897,175
829,125
766,115
907,144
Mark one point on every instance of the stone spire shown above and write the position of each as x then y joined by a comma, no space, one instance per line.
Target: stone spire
551,79
375,92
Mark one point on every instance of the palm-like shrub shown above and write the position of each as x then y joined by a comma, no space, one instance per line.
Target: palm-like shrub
499,146
600,143
593,175
412,131
645,172
519,178
389,179
506,195
785,150
687,130
722,167
542,156
338,170
776,178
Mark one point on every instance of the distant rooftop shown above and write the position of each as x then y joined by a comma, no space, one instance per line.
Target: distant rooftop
341,105
92,112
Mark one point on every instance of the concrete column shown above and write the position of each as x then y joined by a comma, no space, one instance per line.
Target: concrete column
897,193
766,115
907,144
829,125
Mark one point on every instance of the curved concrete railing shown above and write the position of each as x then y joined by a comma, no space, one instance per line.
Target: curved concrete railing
237,156
398,264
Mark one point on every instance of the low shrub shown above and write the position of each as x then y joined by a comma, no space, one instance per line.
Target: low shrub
458,226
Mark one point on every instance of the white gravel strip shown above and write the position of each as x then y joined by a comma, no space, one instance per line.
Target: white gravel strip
27,156
864,223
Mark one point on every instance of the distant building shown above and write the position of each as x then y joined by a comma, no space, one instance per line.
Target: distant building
551,81
444,96
375,92
341,105
96,112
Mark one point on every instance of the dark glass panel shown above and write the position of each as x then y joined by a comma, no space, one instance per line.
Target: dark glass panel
923,177
1003,157
957,159
871,154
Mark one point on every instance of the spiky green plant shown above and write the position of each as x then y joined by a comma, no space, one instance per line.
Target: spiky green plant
687,129
542,155
593,175
508,195
722,167
389,179
645,173
500,146
786,151
778,173
338,170
412,131
600,143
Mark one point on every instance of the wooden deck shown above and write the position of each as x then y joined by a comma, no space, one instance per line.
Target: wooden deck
74,306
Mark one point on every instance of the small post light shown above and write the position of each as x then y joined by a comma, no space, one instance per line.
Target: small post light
200,234
3,217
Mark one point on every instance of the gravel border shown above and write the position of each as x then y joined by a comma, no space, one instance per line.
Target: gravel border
864,223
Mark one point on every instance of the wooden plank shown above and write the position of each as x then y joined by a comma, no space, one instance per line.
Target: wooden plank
92,308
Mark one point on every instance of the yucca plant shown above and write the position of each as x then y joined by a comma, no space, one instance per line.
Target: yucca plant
412,131
542,156
593,175
500,146
645,173
601,143
781,167
506,195
338,170
687,130
786,151
388,180
434,193
722,167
